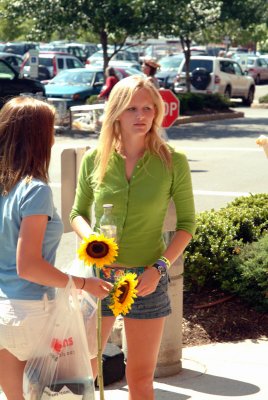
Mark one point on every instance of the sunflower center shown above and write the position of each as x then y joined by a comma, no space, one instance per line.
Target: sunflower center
97,249
124,288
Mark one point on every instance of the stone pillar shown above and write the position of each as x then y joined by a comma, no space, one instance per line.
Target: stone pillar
169,358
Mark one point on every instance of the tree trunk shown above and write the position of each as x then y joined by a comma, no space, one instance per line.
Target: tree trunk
104,44
187,54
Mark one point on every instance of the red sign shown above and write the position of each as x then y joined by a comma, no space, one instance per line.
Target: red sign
172,106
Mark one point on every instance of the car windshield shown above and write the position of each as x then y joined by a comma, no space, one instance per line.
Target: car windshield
207,64
170,62
74,78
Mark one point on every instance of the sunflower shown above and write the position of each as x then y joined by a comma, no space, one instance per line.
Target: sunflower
98,250
123,294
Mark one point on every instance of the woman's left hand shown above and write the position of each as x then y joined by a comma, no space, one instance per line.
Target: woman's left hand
148,282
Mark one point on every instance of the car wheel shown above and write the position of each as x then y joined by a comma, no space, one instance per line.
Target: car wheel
228,93
200,78
247,101
258,80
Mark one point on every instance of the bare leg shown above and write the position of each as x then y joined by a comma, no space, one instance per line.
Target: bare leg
107,324
143,343
11,374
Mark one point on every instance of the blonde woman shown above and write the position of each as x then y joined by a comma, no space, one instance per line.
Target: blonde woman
134,169
30,231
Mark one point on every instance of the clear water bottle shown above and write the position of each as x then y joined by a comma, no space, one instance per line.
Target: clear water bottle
107,222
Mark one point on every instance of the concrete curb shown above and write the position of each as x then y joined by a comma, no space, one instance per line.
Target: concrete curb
256,104
208,117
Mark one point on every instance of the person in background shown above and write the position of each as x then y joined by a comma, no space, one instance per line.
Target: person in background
111,80
222,53
136,171
30,231
149,68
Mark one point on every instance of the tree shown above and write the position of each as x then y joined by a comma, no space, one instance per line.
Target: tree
112,21
189,20
243,21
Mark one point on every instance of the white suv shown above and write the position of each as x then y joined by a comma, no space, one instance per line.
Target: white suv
216,75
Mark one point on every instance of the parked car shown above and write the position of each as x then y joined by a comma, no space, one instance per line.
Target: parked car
124,71
51,63
168,70
76,85
122,55
19,47
12,59
11,84
216,75
257,67
117,64
124,64
72,48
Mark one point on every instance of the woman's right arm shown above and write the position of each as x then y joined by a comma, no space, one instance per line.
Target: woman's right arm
33,267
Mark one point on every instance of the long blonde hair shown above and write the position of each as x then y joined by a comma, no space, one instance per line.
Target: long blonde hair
110,135
26,138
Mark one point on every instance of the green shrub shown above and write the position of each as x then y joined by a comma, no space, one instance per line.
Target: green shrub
197,101
219,238
250,273
216,102
263,99
92,99
212,247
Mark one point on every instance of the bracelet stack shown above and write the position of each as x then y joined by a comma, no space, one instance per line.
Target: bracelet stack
162,265
164,262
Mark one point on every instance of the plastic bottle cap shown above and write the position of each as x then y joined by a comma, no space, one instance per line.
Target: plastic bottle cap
108,205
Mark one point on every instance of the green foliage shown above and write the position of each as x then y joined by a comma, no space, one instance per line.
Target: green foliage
211,248
196,101
263,99
219,238
249,274
92,99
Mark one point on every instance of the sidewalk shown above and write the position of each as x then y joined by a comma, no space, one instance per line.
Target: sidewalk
213,372
233,371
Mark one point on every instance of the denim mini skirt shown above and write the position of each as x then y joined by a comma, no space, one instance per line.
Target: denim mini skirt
154,305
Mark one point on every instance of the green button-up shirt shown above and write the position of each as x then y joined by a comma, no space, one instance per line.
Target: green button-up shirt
140,205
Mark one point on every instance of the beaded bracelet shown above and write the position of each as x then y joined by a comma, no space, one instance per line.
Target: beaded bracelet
165,260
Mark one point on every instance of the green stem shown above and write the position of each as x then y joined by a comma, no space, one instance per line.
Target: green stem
99,334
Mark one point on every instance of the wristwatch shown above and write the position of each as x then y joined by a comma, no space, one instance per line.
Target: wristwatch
160,268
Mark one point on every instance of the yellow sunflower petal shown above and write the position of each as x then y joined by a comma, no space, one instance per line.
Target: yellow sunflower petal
98,250
123,294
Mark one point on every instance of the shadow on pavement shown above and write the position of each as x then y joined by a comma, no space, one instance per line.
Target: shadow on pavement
239,127
211,384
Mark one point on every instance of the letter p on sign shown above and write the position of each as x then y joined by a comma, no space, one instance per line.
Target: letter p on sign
172,106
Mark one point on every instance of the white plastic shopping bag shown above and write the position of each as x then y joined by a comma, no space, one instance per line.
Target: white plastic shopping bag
60,367
88,305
